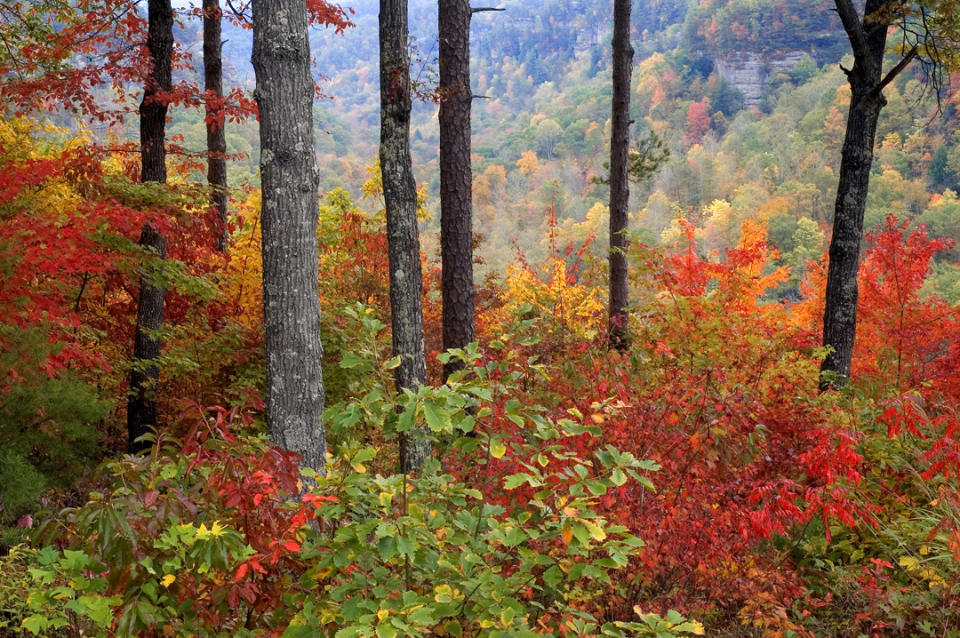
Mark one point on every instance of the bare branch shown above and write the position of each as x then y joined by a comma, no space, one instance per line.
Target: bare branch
895,71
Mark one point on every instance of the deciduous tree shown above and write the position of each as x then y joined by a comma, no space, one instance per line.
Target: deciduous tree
400,198
142,406
926,30
619,185
284,93
216,134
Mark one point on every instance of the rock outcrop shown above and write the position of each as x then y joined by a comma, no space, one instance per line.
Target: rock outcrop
749,72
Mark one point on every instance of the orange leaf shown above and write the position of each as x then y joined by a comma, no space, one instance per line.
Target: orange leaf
241,572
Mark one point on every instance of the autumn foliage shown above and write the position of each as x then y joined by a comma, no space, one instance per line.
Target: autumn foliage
760,479
573,489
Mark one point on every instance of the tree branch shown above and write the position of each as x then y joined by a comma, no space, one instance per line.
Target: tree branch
855,31
239,14
895,71
482,9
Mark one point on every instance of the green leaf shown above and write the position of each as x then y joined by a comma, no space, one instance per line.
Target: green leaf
35,624
74,561
405,420
437,418
386,631
617,477
350,360
300,631
100,610
691,626
581,534
552,576
514,537
647,483
647,464
406,546
515,480
596,488
674,617
48,556
387,548
423,616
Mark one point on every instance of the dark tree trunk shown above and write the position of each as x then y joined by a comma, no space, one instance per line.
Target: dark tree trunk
284,94
619,184
141,404
456,177
400,197
216,135
868,41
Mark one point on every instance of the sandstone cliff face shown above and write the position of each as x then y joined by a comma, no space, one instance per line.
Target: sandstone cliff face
749,72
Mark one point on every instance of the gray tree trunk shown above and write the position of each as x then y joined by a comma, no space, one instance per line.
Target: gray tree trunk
284,95
216,135
868,41
142,401
619,184
456,177
400,198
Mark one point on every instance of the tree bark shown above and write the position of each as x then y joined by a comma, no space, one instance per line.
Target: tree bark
456,177
216,135
868,41
400,198
142,402
284,95
619,184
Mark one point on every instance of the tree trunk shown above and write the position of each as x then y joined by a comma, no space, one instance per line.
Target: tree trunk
456,177
216,135
141,404
284,94
866,100
619,185
400,198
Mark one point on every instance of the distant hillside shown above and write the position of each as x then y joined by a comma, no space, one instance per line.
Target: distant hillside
769,28
747,94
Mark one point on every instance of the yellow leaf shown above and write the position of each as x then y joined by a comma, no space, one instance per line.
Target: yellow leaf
567,534
595,530
909,562
167,580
